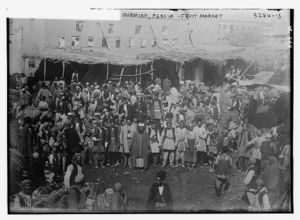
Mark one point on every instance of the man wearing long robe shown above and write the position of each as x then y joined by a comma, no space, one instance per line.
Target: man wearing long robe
246,133
140,147
126,136
25,146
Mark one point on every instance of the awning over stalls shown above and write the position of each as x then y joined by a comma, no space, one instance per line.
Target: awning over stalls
213,53
268,78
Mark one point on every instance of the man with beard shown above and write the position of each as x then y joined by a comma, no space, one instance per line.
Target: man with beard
160,196
140,148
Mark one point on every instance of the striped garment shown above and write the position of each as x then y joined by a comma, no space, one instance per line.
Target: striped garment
88,128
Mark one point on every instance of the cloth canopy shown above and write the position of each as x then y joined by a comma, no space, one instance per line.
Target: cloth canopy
212,53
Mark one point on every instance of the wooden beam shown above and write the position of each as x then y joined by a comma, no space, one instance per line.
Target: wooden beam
241,75
148,72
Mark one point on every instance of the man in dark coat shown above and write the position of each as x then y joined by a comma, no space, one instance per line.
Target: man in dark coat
72,141
167,84
25,146
36,170
160,196
139,109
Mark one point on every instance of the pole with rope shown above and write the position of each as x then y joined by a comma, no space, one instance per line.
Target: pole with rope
154,37
103,35
190,31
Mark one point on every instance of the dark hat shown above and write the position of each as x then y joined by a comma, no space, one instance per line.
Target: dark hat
225,149
161,175
27,120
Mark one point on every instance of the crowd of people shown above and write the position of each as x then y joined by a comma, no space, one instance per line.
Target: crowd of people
64,128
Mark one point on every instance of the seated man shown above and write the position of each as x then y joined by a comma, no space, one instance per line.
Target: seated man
119,199
74,171
23,199
76,197
160,196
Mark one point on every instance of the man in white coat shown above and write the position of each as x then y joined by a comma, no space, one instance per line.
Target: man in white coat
126,136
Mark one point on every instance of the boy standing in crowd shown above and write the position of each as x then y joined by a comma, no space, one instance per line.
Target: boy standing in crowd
181,142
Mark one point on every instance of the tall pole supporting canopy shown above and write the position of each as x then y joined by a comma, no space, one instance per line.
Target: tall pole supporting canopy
45,63
141,72
63,72
136,72
152,73
121,75
107,71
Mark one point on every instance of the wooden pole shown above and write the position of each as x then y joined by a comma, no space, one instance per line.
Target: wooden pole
136,72
24,66
121,75
152,73
141,72
107,71
45,63
63,72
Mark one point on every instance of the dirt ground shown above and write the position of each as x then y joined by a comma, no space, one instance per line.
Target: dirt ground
192,191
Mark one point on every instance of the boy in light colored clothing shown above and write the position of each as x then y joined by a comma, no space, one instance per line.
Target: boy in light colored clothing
180,143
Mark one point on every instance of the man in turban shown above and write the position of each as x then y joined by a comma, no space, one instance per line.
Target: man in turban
140,147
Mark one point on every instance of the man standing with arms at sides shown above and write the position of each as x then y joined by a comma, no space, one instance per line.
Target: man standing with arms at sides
180,143
223,166
154,143
126,135
168,144
201,133
140,148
